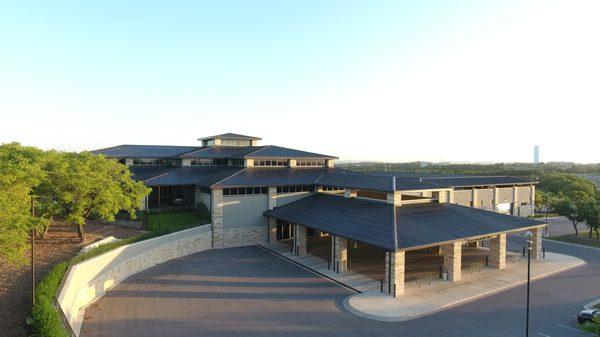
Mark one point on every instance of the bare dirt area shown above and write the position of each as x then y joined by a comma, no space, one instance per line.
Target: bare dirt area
61,243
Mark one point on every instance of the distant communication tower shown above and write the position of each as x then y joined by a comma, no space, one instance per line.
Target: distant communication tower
536,154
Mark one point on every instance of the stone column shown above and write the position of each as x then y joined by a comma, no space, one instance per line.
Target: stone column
272,195
341,254
393,282
394,198
515,200
496,193
498,252
272,230
292,163
536,246
452,260
348,193
216,205
300,240
532,201
474,197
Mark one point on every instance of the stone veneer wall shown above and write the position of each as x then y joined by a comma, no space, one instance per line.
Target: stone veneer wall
245,236
87,281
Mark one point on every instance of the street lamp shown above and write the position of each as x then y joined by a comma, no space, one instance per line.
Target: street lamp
528,235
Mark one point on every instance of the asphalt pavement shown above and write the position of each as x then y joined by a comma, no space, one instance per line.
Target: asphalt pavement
248,291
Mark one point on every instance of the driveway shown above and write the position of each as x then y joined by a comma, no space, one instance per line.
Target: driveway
247,291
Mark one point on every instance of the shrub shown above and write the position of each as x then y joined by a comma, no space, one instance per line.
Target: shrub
46,319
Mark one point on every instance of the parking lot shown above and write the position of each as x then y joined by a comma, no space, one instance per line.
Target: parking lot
248,291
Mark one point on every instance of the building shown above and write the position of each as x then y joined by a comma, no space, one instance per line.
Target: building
265,194
536,154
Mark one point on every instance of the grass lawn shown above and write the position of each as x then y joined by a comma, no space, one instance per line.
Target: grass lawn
581,239
176,220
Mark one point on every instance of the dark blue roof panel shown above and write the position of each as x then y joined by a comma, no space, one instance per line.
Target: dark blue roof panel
374,182
147,172
144,151
275,176
417,225
272,151
191,176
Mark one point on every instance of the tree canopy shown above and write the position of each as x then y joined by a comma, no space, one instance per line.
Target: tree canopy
74,186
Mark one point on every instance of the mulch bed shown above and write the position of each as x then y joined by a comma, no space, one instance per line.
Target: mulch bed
61,243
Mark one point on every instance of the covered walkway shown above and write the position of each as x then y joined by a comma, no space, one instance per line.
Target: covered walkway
398,245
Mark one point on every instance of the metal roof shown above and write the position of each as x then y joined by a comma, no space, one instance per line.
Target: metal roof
144,151
230,135
147,172
221,152
374,182
417,225
191,175
471,181
461,180
273,151
274,176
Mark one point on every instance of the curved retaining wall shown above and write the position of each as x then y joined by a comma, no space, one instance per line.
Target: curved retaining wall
87,281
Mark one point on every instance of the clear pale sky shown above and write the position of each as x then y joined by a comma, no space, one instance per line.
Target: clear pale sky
365,80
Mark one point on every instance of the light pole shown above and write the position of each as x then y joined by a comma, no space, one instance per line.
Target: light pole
32,253
528,235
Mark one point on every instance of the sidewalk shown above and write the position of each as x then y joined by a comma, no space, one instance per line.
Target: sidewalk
439,295
351,279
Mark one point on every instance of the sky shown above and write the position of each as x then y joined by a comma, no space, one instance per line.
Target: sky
393,81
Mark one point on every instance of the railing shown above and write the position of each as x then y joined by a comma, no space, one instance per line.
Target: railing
476,267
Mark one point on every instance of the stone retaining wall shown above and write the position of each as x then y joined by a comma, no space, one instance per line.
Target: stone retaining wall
89,280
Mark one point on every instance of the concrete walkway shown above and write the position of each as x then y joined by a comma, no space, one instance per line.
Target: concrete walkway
439,295
351,279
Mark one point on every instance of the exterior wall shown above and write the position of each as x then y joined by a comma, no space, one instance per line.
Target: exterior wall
462,197
505,195
286,198
246,236
244,211
87,281
243,222
202,198
186,162
485,199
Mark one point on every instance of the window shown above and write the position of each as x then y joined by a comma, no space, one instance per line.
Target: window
270,162
235,142
155,161
122,161
332,188
312,162
220,162
236,162
245,190
295,189
201,162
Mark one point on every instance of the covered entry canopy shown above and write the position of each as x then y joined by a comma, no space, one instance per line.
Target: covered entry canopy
417,225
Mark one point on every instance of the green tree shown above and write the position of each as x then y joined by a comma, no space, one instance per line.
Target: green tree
570,185
567,208
590,213
20,173
85,186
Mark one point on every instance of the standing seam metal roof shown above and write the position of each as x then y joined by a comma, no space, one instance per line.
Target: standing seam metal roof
417,225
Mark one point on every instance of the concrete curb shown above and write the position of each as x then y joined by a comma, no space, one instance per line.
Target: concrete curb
360,313
572,244
591,305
